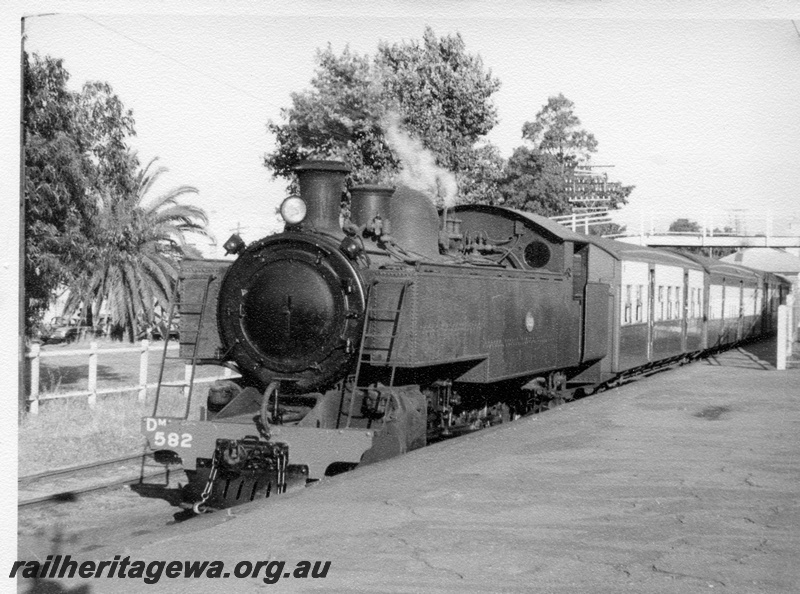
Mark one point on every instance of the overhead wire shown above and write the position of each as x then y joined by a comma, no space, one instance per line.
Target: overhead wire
173,59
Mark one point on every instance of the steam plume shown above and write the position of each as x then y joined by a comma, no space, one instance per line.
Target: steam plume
418,165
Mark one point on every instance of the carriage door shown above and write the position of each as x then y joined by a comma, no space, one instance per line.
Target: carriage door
579,278
651,310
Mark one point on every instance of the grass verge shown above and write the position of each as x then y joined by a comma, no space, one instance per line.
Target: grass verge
68,432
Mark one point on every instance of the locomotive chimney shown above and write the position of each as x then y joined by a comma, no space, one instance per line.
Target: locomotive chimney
367,202
321,187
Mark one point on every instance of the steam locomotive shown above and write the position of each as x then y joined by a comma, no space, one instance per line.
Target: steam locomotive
359,338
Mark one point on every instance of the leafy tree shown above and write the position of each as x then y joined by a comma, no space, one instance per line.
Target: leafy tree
540,176
684,226
73,151
106,126
136,245
444,96
532,181
556,131
432,89
481,179
607,229
90,225
340,116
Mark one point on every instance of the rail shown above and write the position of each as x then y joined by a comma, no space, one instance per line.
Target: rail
35,354
70,470
55,494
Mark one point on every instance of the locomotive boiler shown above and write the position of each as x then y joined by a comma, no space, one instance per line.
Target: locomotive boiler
358,336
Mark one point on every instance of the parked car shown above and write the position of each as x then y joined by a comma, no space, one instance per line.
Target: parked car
62,329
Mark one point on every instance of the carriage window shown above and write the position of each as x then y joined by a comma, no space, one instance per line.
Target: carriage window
692,303
537,254
676,311
627,314
669,303
660,302
639,307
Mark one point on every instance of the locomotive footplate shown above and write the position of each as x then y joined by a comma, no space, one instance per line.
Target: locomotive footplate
243,470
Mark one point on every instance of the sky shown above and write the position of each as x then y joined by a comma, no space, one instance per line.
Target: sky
698,114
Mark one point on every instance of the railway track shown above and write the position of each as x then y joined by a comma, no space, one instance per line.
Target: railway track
68,484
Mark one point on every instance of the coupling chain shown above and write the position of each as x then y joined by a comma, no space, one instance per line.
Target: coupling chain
200,506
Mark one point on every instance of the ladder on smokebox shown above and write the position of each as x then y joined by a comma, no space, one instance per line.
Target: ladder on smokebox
187,385
372,314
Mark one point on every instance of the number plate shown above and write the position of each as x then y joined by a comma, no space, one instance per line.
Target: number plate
160,436
172,439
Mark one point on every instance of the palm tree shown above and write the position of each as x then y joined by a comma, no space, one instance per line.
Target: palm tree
137,245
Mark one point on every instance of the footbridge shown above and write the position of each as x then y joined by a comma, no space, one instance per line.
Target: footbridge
732,228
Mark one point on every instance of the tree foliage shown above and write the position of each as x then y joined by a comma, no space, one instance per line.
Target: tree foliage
88,221
534,182
440,97
556,131
540,175
136,246
684,226
74,151
433,89
444,96
340,116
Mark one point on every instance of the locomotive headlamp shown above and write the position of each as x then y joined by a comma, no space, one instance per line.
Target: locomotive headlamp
293,210
235,245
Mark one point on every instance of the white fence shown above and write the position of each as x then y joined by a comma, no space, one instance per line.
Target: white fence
35,354
582,221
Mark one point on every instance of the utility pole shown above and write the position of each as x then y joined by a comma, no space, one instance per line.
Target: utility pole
23,396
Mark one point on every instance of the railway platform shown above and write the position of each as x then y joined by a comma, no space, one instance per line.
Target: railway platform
685,481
